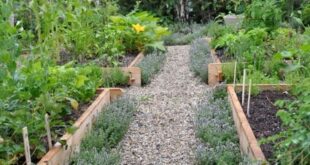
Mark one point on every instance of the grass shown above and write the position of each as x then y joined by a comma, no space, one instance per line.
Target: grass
100,146
215,129
150,65
200,58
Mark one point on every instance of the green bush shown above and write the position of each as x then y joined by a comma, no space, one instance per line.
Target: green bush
200,58
215,128
264,14
97,157
151,65
114,77
108,131
306,15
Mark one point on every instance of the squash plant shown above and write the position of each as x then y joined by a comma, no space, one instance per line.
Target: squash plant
140,30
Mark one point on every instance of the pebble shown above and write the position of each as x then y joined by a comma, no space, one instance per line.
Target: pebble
163,130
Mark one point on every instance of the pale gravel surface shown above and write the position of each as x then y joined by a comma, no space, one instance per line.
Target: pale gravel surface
163,130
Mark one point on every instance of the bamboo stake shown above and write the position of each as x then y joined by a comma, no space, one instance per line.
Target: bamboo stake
243,85
235,74
26,146
249,99
48,130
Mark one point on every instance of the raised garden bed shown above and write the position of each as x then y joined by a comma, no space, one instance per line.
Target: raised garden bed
215,71
70,143
133,71
258,126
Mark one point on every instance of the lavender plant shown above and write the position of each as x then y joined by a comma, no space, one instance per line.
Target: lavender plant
215,129
200,58
151,65
100,145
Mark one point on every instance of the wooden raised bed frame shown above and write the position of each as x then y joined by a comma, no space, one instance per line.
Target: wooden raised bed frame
60,154
133,71
248,142
215,72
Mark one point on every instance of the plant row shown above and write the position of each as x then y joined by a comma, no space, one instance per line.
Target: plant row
216,131
100,146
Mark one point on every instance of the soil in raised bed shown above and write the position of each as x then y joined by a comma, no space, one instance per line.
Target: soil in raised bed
263,120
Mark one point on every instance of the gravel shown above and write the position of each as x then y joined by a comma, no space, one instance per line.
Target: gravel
163,130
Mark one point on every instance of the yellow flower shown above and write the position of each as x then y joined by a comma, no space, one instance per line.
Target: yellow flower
138,28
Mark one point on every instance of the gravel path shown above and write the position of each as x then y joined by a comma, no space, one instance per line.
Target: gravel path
163,129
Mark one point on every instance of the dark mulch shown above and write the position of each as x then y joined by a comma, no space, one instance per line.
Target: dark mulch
220,53
263,120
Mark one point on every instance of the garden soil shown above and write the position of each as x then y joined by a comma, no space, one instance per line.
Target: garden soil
264,121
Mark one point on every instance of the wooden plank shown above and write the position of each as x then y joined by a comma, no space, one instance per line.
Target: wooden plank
214,73
248,143
60,155
134,75
137,60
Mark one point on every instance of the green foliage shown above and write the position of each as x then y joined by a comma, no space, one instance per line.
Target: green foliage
97,157
150,65
292,144
200,58
306,14
35,90
140,30
108,131
215,128
114,77
262,13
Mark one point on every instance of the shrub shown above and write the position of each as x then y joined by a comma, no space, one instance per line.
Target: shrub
185,34
114,77
151,65
200,58
97,157
215,128
100,145
140,30
263,13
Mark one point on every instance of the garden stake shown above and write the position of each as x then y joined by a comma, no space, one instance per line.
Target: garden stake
249,100
235,74
48,131
243,86
26,146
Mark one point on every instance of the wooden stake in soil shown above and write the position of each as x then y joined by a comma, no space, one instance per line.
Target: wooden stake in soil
26,146
48,131
249,99
235,74
243,86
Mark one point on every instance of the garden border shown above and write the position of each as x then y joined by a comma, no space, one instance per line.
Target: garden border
133,71
215,72
70,143
248,142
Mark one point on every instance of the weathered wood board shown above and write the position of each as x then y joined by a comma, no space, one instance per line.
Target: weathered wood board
248,142
70,143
